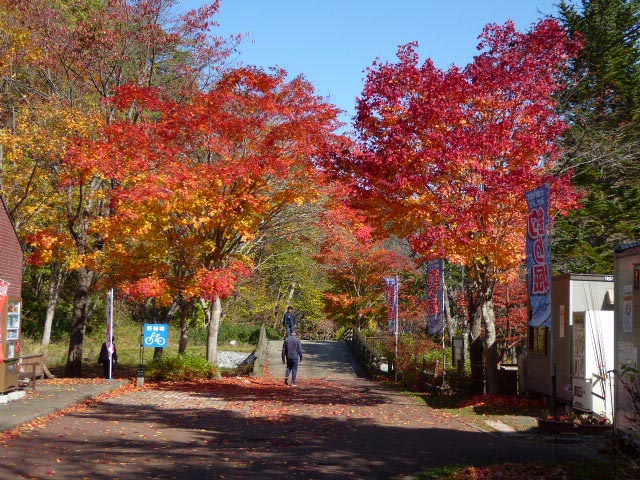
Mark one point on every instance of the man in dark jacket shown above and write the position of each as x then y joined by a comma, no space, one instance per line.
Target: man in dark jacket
292,353
289,321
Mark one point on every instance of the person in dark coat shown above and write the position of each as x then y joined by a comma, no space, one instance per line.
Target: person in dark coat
104,358
292,353
289,320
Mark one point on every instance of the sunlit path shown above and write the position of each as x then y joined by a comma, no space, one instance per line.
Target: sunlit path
322,360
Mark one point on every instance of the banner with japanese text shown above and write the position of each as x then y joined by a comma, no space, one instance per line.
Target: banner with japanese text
391,295
539,257
435,296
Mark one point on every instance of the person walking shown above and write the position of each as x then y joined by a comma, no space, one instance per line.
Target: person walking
289,320
103,358
292,353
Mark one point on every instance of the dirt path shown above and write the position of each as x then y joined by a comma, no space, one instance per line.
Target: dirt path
257,428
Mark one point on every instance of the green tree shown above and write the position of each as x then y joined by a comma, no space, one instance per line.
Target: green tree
602,145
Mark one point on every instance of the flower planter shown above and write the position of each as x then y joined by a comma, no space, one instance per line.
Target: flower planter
594,429
554,426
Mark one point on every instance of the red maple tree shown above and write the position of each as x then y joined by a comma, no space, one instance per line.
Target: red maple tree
448,155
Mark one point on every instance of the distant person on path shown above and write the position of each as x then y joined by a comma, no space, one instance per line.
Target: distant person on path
292,353
289,320
104,358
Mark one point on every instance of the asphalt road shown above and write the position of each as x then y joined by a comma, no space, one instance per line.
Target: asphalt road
335,425
322,360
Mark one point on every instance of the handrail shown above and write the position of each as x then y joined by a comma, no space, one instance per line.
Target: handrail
368,355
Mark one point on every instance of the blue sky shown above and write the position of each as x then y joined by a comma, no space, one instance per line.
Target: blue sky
331,42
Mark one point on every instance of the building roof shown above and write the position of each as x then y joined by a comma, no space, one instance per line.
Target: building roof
6,209
626,246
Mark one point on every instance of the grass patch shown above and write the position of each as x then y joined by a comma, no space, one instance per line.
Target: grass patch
448,403
583,470
517,412
485,404
127,334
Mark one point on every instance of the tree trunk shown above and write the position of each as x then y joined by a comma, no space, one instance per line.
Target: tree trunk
483,317
155,318
476,351
58,276
214,313
449,322
80,312
491,348
185,311
276,309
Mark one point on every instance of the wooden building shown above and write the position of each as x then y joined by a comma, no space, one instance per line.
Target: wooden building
11,267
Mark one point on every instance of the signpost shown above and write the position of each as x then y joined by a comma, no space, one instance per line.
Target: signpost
152,335
156,334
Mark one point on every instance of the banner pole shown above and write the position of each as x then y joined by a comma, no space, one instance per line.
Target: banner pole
396,308
110,332
444,327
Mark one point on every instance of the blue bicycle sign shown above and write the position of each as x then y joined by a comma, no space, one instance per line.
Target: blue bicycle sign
156,334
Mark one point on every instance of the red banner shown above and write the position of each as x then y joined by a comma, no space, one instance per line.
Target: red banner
4,292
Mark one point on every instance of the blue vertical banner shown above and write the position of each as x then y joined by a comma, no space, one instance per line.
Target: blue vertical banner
539,256
435,296
391,295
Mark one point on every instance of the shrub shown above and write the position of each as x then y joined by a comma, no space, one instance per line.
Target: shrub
182,367
419,360
340,333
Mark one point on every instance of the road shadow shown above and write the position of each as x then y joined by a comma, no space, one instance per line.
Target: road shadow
131,442
310,392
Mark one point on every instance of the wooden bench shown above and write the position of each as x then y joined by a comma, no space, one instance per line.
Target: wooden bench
30,368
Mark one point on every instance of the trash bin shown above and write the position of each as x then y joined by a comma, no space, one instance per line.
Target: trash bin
508,380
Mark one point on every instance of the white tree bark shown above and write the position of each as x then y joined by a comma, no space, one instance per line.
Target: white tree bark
58,276
213,311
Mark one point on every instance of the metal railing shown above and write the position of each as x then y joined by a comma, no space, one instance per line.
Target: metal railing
379,343
368,355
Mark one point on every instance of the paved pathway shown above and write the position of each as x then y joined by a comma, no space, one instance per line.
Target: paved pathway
258,428
50,396
328,360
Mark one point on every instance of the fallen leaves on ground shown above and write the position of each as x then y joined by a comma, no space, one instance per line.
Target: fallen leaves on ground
40,422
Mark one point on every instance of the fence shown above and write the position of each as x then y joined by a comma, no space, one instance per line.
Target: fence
368,355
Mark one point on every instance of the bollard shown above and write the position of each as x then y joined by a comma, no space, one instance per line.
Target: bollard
140,377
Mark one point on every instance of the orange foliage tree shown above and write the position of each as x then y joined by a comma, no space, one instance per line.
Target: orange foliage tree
198,181
83,51
447,156
356,263
511,301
